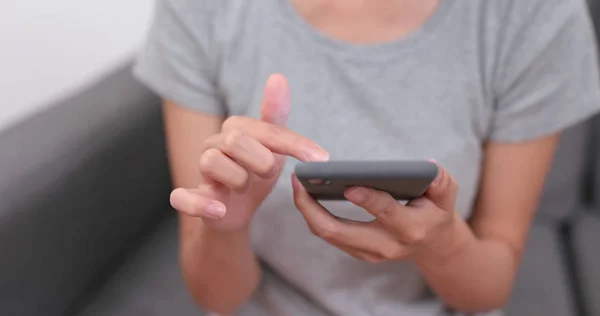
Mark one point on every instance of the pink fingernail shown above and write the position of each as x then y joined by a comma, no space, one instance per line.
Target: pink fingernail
319,156
215,210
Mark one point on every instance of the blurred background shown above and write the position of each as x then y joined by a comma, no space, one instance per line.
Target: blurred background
85,225
52,48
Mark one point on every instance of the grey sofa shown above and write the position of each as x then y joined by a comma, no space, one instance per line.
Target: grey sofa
86,229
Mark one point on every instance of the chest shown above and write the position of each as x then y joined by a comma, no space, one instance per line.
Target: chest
425,105
412,100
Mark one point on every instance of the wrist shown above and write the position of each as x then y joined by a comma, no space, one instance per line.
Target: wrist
240,237
450,243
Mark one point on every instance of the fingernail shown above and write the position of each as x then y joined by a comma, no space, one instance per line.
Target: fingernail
439,173
319,155
438,177
215,210
356,194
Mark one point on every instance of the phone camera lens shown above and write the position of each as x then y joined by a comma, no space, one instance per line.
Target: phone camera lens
319,182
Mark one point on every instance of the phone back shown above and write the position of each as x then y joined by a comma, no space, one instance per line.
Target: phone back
403,180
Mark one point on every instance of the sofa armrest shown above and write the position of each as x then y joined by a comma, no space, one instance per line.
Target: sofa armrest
78,183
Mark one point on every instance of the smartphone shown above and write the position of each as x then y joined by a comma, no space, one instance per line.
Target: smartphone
404,180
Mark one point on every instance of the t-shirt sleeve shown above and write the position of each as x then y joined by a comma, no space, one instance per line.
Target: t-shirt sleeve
548,77
178,60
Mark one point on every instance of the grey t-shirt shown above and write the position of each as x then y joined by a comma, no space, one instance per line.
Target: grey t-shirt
476,71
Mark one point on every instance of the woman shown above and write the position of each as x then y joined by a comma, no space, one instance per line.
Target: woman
483,87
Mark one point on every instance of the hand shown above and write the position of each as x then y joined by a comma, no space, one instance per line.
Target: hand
423,227
240,165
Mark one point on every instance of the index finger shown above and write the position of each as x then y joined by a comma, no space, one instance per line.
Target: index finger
278,139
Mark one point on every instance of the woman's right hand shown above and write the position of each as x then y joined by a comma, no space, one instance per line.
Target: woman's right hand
240,166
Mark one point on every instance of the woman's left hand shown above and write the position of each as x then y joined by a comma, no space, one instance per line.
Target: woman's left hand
423,227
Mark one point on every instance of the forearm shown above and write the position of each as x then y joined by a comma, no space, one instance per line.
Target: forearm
477,277
220,269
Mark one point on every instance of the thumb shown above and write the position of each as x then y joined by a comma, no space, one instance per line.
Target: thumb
443,190
276,100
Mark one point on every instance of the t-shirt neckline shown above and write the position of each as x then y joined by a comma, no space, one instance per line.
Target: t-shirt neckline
367,52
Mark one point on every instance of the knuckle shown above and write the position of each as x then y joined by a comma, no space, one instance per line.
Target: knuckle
209,160
233,140
240,181
386,212
414,235
393,251
231,122
425,203
327,230
267,167
386,209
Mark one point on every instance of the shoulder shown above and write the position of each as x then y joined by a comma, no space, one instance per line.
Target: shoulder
215,18
521,33
508,25
533,9
517,16
202,8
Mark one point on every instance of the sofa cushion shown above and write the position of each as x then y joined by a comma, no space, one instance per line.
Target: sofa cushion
595,166
594,7
149,283
587,250
78,183
563,189
542,285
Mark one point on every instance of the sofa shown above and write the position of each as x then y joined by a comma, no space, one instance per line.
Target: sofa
86,228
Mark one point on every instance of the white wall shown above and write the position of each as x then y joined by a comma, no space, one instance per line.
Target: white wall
49,48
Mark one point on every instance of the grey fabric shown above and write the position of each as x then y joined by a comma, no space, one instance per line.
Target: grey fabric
149,283
78,183
506,71
587,249
541,288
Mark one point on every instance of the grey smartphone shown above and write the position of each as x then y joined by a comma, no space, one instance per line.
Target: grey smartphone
403,180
